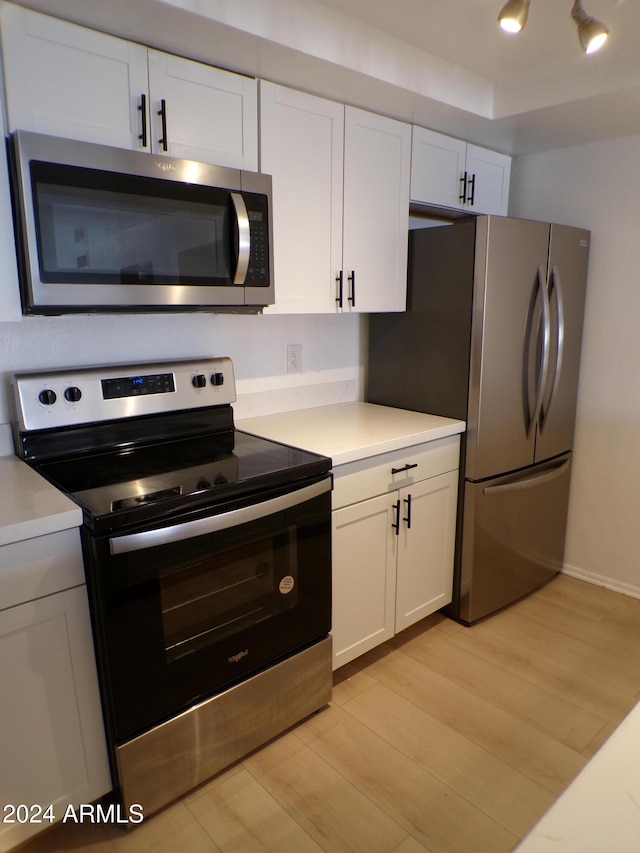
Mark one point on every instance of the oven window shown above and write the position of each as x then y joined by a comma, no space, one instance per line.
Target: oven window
101,228
210,597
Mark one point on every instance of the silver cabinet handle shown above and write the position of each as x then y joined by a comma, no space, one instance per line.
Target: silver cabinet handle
556,289
214,523
546,336
527,482
244,238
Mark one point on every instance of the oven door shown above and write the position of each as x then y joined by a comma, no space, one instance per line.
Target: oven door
185,610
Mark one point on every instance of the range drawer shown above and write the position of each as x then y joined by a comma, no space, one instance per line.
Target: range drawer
357,481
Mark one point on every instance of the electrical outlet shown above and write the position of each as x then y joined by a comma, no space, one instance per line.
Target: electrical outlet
294,358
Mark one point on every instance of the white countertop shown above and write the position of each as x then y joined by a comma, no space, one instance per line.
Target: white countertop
31,506
350,431
600,810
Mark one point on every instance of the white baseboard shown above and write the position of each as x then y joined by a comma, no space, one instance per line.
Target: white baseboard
601,580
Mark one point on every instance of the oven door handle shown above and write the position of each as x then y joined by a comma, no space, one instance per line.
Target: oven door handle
214,523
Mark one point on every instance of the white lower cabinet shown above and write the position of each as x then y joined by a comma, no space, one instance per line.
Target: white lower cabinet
52,738
364,577
394,521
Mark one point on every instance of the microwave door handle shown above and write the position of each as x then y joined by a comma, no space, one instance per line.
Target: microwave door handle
244,238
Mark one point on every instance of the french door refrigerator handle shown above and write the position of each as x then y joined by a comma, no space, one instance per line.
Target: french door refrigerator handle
214,523
527,482
546,336
556,289
244,238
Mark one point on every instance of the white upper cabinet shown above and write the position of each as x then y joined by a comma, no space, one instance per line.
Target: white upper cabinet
209,114
437,165
377,158
74,82
490,172
69,81
340,201
301,143
448,172
10,309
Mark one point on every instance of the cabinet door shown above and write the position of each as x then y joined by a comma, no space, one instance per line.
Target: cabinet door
301,140
377,164
52,735
426,548
70,81
211,115
10,308
437,167
364,577
490,172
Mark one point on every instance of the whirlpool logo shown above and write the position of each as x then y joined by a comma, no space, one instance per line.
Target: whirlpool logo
238,656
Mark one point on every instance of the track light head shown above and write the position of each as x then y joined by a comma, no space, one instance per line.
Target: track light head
513,15
591,33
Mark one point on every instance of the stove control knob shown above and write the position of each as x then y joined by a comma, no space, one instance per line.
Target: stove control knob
199,380
72,394
217,379
203,484
47,397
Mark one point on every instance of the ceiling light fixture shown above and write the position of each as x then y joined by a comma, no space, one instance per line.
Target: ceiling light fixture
513,16
591,33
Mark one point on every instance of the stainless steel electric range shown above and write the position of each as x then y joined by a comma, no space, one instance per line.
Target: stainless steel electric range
208,560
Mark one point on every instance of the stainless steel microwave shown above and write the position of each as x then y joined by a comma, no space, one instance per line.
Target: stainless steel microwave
106,229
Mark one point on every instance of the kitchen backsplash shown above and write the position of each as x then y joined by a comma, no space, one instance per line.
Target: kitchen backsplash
331,357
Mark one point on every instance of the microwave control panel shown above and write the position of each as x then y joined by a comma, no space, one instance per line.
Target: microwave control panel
258,213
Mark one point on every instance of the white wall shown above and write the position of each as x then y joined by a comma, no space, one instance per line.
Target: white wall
331,356
598,186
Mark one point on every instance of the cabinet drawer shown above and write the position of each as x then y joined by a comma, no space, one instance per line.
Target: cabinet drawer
357,481
37,567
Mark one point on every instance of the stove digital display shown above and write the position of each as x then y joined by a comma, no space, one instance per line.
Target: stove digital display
137,386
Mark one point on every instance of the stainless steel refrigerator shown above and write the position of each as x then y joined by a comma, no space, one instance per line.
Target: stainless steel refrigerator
492,335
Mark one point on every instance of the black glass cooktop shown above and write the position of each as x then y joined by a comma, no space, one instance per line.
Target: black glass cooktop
134,484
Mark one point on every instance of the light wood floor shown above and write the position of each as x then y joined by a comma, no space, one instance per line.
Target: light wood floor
445,739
